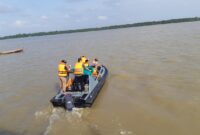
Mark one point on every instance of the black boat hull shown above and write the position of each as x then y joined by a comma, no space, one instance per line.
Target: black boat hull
81,99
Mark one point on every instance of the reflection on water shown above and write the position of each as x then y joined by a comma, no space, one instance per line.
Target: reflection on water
152,87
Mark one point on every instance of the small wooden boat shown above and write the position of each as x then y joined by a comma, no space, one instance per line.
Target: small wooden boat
11,51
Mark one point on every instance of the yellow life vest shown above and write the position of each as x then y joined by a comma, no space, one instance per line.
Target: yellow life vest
62,72
83,59
78,68
86,64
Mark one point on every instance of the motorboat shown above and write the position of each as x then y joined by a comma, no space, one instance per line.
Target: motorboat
83,91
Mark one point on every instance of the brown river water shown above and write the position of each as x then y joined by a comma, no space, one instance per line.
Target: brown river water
153,86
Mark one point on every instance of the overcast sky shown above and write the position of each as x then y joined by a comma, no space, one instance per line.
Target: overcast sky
27,16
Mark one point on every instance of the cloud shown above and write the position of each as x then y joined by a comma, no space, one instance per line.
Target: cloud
77,20
67,16
112,3
44,17
101,17
2,22
19,23
5,9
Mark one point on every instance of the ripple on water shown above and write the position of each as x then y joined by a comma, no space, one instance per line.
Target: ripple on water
57,115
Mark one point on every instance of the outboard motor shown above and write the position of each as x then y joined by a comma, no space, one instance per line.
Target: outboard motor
69,103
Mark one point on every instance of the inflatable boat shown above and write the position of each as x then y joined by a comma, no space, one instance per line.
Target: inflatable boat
83,92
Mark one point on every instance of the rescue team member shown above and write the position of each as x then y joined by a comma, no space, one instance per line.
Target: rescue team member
95,62
87,68
78,74
86,64
95,65
83,59
78,68
63,70
77,71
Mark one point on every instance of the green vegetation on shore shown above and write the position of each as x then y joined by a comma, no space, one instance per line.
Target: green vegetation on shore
104,28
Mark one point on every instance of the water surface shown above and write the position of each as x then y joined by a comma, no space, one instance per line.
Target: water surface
153,87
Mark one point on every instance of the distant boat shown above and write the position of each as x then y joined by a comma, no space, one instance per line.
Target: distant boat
11,51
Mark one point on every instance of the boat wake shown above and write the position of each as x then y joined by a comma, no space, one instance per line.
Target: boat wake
59,114
126,132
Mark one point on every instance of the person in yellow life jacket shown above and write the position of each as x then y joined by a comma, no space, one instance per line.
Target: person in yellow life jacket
86,64
83,59
87,68
63,70
78,68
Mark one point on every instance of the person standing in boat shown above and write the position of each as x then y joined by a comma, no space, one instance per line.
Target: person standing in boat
78,68
95,62
95,66
78,72
83,59
87,68
63,70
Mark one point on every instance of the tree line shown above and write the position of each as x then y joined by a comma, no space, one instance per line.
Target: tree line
103,28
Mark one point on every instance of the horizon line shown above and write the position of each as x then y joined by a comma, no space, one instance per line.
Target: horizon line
138,24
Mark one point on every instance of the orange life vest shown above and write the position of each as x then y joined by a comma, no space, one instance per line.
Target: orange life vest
94,73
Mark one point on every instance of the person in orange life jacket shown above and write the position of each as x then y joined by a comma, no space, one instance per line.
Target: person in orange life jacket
95,65
63,70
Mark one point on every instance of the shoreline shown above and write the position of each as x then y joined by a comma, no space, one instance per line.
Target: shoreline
140,24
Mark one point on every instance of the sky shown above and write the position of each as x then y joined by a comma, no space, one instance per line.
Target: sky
28,16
